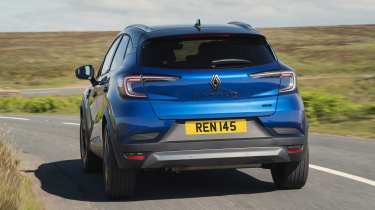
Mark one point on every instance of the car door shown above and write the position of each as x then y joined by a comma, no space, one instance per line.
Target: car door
97,98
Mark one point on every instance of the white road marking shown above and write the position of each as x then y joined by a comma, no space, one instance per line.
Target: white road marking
343,174
50,90
70,123
47,89
14,118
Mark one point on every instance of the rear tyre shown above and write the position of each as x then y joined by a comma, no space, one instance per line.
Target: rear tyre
292,175
118,183
90,162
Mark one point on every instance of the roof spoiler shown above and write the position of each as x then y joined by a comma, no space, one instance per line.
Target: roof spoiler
242,25
141,27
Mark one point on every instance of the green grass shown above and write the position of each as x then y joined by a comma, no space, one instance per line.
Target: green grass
336,114
15,189
42,104
323,107
361,90
360,128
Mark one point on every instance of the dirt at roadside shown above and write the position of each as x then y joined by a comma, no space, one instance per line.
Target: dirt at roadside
29,164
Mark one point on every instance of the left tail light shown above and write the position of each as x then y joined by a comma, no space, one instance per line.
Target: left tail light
131,85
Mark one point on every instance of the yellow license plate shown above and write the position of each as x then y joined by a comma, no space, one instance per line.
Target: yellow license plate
216,127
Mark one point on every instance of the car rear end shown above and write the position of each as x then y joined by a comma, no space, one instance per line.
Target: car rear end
205,101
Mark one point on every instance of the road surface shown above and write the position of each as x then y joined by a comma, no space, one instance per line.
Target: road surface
342,174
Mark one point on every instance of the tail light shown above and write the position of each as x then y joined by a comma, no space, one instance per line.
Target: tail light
288,79
130,84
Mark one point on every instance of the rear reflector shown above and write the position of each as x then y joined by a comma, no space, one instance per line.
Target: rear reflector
295,149
132,156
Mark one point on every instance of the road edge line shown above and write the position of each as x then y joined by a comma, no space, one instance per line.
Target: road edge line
14,118
70,123
343,174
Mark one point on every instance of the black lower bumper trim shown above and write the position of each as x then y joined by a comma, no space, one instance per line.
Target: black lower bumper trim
212,152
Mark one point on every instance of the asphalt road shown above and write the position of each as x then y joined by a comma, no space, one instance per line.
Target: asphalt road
342,174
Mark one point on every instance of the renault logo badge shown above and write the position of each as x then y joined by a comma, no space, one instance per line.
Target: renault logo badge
215,82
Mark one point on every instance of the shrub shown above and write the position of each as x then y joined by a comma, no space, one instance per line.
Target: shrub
39,105
320,106
47,104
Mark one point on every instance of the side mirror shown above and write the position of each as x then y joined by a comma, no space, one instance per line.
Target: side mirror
85,72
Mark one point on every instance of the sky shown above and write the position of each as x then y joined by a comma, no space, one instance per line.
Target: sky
109,15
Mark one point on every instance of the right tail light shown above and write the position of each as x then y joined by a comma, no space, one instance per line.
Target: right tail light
288,79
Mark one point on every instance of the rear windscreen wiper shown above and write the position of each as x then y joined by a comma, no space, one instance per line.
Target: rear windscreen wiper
230,63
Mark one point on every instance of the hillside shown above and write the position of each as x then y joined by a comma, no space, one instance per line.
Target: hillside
319,54
48,59
338,60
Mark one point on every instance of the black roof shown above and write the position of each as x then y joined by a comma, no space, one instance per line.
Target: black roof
172,30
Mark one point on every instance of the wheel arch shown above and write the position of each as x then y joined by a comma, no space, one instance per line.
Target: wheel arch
108,122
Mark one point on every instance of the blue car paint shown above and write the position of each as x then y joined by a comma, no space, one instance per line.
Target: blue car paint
160,111
191,97
136,116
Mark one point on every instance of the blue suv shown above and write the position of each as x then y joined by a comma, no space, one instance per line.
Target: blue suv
192,97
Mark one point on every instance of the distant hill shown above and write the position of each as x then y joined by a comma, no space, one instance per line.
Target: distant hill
48,59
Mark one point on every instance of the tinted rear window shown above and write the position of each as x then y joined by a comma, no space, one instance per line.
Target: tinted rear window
206,52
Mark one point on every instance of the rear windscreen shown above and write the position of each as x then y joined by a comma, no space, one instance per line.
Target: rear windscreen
206,52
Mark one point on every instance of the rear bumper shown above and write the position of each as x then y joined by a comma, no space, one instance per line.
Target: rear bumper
216,158
211,154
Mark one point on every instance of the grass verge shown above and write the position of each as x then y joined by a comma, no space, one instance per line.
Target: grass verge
322,107
41,104
15,189
336,114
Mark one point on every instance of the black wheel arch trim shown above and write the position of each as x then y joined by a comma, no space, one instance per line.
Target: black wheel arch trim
110,125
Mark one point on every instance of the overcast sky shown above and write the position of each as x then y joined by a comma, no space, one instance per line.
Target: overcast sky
80,15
